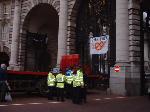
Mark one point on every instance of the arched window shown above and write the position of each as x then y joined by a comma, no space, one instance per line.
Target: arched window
6,49
6,8
5,33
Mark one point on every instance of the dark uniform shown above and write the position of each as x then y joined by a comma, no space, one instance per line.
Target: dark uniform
84,89
68,83
77,84
60,79
3,86
51,85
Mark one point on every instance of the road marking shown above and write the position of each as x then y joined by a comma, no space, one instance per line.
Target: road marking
35,103
107,98
3,105
97,99
17,104
120,97
54,102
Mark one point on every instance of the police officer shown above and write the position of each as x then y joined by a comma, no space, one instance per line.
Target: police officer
3,82
68,84
51,85
82,78
60,79
77,82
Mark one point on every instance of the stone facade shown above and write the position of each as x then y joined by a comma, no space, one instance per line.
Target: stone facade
16,17
5,24
130,51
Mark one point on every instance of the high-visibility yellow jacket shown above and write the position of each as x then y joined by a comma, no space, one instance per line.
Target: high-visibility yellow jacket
60,79
80,74
50,79
76,81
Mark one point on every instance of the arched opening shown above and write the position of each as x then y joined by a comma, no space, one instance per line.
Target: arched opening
40,30
4,58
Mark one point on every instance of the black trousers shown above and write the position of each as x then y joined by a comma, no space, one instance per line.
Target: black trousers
83,94
51,92
76,95
68,90
3,90
60,94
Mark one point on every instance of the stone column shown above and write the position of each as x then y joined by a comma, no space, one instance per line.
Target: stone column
117,79
146,52
62,33
134,80
15,36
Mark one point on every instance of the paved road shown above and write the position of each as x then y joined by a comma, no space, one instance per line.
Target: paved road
97,102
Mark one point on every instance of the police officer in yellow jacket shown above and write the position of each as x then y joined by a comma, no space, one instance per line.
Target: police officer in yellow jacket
51,85
77,83
68,83
78,87
60,79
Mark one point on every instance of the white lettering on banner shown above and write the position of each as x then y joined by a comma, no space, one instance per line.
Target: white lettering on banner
99,45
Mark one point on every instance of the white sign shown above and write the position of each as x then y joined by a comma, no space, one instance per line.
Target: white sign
99,45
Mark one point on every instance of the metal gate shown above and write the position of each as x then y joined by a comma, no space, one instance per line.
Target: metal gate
36,55
145,46
96,18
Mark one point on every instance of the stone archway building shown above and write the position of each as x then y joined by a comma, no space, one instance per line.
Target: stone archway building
17,12
128,37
